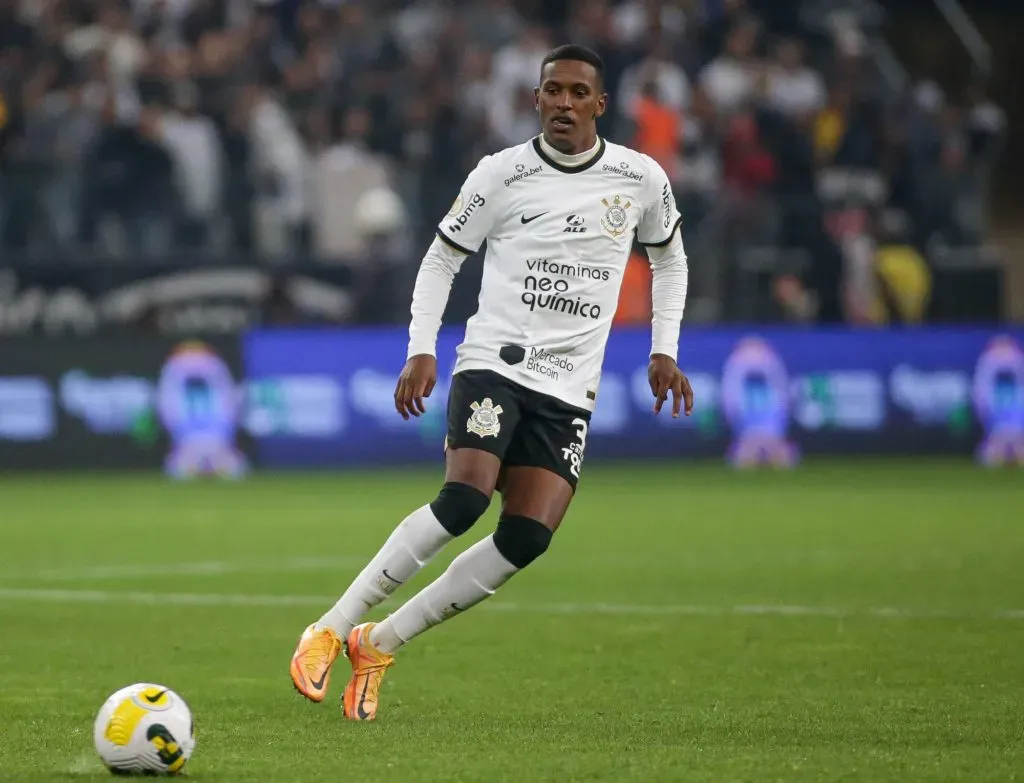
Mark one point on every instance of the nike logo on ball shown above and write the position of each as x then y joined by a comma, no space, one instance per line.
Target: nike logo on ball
526,220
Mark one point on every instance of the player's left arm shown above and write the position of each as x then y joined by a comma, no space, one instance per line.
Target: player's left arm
660,231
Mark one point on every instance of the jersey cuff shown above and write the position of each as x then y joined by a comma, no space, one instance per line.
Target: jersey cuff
671,351
666,240
455,245
421,348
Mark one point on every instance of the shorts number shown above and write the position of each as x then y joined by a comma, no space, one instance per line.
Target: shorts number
573,453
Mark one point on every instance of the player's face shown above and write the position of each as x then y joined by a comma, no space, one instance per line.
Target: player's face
570,100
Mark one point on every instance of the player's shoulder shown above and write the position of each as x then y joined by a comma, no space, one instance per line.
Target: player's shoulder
514,164
620,159
513,153
508,165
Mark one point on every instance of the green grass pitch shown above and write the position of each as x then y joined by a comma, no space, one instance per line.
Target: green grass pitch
854,621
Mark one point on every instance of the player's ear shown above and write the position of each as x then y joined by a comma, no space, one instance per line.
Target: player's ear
536,98
602,105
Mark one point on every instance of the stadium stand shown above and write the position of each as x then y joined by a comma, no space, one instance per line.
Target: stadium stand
335,133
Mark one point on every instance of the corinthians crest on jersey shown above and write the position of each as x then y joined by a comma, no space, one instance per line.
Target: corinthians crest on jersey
485,420
616,216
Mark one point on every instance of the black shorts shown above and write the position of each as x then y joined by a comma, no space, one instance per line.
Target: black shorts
521,427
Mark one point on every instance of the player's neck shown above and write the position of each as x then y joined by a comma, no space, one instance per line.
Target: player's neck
565,159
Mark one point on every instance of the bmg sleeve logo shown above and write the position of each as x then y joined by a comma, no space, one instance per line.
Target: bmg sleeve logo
998,394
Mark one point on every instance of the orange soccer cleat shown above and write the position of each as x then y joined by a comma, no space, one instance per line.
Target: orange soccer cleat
368,667
312,661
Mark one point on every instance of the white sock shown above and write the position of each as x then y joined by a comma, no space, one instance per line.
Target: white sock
410,547
473,576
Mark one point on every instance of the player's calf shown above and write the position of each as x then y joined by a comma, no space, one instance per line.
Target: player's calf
413,544
472,577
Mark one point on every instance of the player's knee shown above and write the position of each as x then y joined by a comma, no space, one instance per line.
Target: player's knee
458,507
521,540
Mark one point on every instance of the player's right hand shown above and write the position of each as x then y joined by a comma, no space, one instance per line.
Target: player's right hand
414,384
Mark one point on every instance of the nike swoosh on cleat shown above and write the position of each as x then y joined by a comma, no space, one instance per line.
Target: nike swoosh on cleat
526,220
363,714
318,684
391,578
455,606
155,699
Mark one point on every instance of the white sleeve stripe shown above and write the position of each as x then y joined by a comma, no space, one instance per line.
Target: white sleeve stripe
666,240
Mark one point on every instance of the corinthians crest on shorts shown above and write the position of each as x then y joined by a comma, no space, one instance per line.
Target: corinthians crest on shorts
615,217
484,419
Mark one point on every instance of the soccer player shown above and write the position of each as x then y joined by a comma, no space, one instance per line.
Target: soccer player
559,214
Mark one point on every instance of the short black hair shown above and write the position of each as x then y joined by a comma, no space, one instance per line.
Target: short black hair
580,54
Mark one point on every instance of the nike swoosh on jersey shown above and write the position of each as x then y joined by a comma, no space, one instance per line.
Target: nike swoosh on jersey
526,220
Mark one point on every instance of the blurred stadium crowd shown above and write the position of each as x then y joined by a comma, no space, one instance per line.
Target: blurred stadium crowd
814,180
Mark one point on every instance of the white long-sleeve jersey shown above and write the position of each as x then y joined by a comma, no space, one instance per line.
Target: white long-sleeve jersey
558,241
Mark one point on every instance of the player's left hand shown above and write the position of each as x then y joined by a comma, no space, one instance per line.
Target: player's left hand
664,377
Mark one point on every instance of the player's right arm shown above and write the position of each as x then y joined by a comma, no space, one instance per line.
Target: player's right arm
459,235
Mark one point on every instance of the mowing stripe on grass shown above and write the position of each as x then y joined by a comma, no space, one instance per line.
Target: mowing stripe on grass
661,610
200,568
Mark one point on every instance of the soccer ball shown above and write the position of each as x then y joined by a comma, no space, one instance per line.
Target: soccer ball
144,729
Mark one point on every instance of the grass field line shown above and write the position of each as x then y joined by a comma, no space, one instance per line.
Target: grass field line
198,568
624,609
123,571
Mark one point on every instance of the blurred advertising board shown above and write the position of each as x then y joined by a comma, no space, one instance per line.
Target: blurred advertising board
324,398
133,401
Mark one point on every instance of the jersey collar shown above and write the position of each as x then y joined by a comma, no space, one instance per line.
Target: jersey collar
567,169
